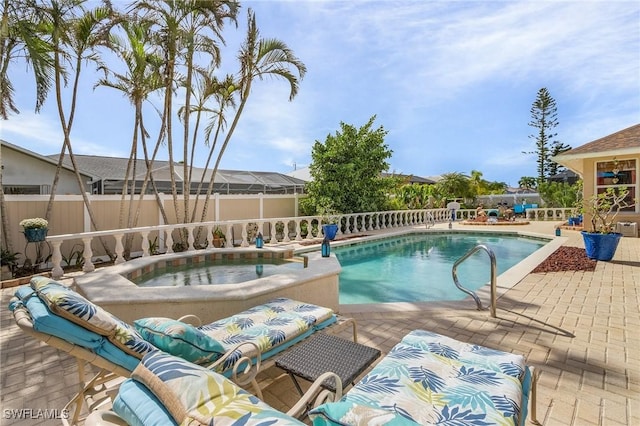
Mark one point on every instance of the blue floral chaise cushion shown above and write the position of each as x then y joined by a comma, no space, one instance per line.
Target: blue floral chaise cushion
68,304
272,326
165,390
430,379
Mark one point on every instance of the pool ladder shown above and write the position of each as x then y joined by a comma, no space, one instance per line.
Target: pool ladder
492,258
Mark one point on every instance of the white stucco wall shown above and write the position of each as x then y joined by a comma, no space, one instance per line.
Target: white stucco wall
19,168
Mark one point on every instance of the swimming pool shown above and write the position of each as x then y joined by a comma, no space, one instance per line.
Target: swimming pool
417,267
216,272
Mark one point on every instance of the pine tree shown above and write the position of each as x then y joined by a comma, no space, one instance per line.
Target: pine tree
544,119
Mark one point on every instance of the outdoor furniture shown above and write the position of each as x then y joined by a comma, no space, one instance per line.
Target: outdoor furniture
165,390
324,352
60,317
428,378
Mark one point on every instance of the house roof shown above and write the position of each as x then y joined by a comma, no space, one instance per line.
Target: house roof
413,179
51,159
623,142
628,138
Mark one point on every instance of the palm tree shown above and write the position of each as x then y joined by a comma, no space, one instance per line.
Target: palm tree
73,34
20,38
454,185
181,32
222,92
140,79
259,58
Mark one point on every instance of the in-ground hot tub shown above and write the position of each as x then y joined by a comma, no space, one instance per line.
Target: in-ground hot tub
113,287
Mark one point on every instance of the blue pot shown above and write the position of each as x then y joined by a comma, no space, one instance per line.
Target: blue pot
35,234
600,246
330,230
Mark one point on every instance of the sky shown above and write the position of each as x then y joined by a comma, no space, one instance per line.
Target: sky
452,82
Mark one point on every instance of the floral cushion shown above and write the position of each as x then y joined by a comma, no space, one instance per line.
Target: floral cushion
427,379
68,304
272,326
180,339
45,322
194,395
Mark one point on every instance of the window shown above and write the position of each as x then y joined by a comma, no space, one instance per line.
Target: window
618,174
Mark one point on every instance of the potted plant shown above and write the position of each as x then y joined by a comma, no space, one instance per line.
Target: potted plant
35,229
219,239
8,261
602,241
329,221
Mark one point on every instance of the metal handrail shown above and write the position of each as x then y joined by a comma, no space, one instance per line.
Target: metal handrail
492,257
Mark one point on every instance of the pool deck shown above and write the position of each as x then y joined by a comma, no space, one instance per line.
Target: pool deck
580,329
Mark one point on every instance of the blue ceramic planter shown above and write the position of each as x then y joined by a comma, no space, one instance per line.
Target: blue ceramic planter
35,234
600,246
330,230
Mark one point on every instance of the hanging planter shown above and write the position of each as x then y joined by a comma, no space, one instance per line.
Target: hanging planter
34,235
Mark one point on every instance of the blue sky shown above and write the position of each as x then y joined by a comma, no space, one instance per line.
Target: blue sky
451,81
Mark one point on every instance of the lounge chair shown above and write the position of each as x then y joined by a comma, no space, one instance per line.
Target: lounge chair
60,317
427,378
165,390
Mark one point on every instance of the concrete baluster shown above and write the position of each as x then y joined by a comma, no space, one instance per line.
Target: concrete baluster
229,236
210,236
56,259
88,254
273,237
286,238
169,240
245,235
191,237
298,230
119,249
145,243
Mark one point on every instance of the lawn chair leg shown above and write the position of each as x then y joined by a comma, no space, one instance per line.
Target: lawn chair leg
534,395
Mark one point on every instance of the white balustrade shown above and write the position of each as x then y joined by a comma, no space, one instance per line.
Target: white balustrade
348,224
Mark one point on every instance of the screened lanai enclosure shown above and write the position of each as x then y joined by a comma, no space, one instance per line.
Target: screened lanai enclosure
108,178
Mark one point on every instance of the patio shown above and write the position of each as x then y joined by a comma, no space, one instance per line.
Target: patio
577,327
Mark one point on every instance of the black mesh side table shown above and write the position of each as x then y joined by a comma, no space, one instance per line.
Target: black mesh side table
321,353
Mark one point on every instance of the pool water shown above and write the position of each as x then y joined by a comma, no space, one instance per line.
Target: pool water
417,267
218,272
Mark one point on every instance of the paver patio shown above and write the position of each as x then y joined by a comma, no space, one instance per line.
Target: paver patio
580,329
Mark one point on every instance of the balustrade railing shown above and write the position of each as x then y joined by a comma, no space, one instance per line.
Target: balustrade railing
237,233
552,213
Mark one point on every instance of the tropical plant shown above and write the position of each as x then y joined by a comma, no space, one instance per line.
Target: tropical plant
75,258
455,185
140,79
20,37
528,183
7,258
346,171
72,34
219,238
603,208
259,59
560,194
